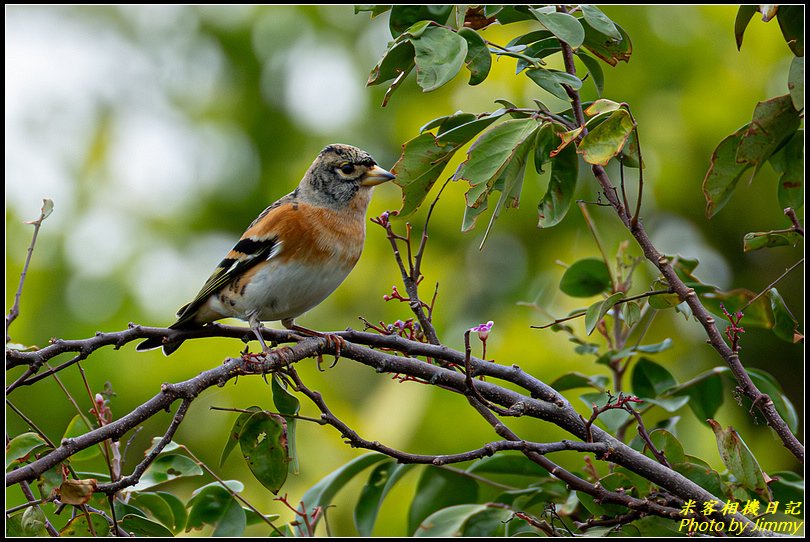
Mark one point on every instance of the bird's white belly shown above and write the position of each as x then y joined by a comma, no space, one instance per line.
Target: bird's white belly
281,290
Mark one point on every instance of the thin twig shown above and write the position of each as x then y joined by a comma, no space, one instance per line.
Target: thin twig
117,485
233,493
619,302
595,235
47,207
772,284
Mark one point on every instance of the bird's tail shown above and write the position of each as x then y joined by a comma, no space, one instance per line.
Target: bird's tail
156,342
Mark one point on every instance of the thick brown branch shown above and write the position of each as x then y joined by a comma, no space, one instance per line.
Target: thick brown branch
552,408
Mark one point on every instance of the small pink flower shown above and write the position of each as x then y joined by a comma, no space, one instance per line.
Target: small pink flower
483,330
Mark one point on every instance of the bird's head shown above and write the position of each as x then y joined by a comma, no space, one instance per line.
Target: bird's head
339,173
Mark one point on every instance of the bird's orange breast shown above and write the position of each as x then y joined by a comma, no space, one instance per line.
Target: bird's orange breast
314,235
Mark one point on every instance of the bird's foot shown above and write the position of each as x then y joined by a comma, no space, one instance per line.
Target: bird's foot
332,341
256,362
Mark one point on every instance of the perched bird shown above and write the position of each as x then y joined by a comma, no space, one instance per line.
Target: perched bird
294,254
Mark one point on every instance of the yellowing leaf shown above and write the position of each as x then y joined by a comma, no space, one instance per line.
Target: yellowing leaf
607,139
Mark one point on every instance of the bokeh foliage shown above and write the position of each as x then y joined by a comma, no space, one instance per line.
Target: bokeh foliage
161,131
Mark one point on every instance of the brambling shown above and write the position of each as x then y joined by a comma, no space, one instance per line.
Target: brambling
296,253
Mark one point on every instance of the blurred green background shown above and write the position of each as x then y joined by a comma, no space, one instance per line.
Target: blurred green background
161,132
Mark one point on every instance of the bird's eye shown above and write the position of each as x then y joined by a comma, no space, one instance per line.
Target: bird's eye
347,168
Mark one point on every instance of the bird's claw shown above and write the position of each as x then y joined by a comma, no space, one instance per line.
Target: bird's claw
333,341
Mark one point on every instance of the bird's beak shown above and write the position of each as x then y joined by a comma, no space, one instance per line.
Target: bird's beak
375,176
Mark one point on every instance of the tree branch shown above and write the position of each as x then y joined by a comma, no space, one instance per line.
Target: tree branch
762,402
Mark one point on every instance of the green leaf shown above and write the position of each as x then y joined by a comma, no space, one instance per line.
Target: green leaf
20,447
425,157
396,60
629,156
600,22
214,505
585,278
380,481
322,493
157,506
666,344
705,477
791,22
602,106
705,393
651,380
423,160
552,81
288,405
166,468
529,38
787,486
744,15
450,521
561,187
670,404
97,526
570,381
509,183
169,447
233,521
490,522
607,139
656,527
595,69
598,310
236,432
664,301
76,428
263,443
479,58
178,510
788,162
566,27
767,384
774,121
508,462
261,519
796,82
724,172
491,154
510,14
404,16
122,509
32,522
438,489
141,526
14,526
631,312
374,9
608,49
785,325
440,54
533,55
769,239
739,460
546,142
